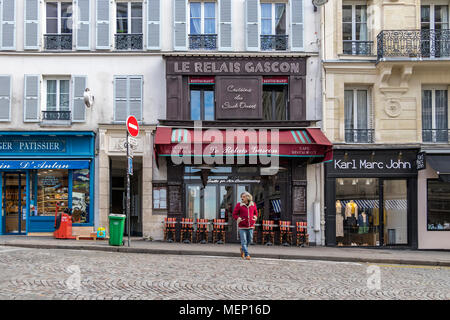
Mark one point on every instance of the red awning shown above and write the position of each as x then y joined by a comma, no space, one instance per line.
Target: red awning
301,142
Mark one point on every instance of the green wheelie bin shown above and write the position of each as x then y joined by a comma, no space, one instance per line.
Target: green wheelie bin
116,227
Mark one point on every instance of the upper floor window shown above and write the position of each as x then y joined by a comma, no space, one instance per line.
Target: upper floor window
435,114
273,26
354,30
57,95
202,25
435,33
129,35
59,26
128,94
357,116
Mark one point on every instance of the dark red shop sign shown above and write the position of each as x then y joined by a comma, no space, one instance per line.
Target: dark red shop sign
201,80
275,80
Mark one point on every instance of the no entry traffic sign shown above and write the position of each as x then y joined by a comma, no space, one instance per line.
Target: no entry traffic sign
132,126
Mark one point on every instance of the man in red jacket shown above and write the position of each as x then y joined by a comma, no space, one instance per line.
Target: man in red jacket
246,214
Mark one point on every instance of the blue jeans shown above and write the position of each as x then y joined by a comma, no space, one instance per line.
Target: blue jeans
246,236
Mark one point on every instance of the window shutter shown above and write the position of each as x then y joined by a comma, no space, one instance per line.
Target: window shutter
103,13
5,98
135,97
79,84
31,100
8,25
297,25
153,24
120,98
83,19
180,25
252,24
225,42
31,24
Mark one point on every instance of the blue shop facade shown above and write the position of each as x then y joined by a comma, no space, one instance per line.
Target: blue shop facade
42,172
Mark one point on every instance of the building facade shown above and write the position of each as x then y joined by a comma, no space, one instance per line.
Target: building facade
175,65
385,107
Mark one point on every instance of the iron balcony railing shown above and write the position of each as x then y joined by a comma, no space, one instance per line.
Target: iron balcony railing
276,42
413,44
203,41
56,115
129,41
58,41
363,48
359,135
435,135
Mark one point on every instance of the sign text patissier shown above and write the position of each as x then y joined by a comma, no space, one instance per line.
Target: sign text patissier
32,146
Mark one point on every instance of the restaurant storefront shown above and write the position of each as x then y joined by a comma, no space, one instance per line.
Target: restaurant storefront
42,171
371,198
237,124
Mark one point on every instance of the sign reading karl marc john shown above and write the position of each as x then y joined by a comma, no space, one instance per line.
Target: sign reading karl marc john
375,161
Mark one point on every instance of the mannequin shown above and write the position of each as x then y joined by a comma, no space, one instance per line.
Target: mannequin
339,220
363,223
351,209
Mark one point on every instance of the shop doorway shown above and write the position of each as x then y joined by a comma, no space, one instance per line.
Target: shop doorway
14,203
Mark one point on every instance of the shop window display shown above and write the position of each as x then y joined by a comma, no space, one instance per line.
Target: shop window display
438,215
357,212
80,196
52,189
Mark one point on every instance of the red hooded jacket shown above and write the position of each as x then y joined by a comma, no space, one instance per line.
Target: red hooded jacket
248,214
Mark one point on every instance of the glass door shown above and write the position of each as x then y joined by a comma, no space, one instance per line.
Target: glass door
14,202
226,205
395,203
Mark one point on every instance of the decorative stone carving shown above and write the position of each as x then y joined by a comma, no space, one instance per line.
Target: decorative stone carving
393,108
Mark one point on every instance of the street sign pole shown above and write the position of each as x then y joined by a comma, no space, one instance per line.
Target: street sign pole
128,189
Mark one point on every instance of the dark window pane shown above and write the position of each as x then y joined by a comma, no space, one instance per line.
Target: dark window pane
346,13
122,26
122,10
52,10
52,25
136,10
267,105
136,25
438,217
280,105
280,18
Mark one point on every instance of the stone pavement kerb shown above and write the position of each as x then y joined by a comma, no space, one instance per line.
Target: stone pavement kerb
139,245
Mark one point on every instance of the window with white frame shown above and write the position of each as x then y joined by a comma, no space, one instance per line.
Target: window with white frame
202,25
273,26
354,29
434,24
357,115
57,95
435,114
58,17
129,25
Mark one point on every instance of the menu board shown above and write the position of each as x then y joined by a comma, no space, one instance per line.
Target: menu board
299,198
175,198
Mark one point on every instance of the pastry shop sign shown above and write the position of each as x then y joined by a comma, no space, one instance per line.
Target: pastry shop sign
44,164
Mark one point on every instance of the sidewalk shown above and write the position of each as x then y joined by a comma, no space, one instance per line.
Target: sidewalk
138,245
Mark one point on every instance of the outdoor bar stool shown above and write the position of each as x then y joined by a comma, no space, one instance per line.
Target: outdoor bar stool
267,230
169,228
202,230
187,228
255,234
285,232
302,233
219,231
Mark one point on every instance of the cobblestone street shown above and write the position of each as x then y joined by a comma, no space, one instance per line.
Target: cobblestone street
72,274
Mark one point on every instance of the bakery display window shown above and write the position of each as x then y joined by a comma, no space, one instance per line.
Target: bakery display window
52,190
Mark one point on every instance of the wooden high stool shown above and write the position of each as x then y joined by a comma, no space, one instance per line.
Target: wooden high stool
267,230
169,228
202,229
187,228
302,233
219,230
285,231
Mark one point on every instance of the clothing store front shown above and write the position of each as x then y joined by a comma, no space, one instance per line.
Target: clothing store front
42,172
371,198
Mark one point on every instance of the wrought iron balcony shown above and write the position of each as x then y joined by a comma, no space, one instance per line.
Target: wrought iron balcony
129,41
413,44
58,41
359,135
435,135
56,115
363,48
277,42
203,41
